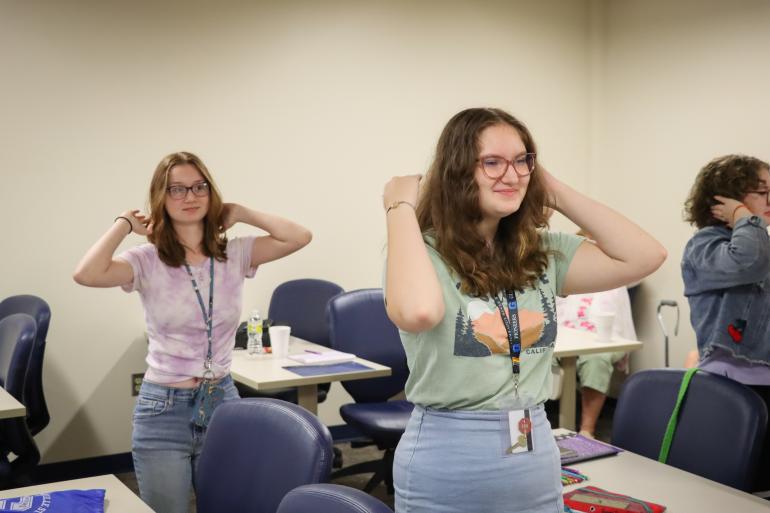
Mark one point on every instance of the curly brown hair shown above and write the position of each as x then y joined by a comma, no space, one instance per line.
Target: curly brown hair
170,250
731,176
449,211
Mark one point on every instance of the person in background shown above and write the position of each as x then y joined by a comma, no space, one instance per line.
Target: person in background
726,273
470,282
190,279
595,370
691,360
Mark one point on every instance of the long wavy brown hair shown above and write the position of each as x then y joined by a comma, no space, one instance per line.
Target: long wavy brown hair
731,176
449,211
170,250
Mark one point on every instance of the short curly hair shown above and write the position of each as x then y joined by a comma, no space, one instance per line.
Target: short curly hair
731,176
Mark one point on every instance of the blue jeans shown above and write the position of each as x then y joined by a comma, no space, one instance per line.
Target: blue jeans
165,444
455,462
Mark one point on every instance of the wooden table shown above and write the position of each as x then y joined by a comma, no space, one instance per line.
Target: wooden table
117,499
680,491
571,343
10,407
265,371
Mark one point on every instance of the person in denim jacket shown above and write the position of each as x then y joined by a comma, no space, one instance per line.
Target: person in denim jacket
726,273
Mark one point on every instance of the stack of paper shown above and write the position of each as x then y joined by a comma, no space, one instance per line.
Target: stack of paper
322,357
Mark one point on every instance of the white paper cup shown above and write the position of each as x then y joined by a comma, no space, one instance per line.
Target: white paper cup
603,322
279,340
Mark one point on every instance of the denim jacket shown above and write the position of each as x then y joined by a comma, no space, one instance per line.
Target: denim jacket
726,277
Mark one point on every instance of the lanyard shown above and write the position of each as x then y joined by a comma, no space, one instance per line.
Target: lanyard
207,317
512,329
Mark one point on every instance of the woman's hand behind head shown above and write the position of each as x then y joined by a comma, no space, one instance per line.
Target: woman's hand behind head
401,188
140,223
729,210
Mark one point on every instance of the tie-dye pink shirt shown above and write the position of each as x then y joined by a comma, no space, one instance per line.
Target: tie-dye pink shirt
175,326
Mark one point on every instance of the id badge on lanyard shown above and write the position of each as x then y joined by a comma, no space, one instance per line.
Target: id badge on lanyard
520,431
208,395
519,421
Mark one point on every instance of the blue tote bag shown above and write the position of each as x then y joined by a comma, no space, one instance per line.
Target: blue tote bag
69,501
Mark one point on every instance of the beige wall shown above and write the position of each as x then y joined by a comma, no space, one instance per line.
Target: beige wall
681,82
300,108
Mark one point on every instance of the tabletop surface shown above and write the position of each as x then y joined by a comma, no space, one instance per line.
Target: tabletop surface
572,342
264,371
648,480
118,497
9,406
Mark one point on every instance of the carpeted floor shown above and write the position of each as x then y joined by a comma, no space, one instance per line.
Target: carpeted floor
352,456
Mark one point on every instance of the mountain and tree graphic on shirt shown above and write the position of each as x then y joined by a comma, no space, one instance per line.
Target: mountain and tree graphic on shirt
479,330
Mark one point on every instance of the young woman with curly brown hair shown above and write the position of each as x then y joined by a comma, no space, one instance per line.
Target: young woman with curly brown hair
470,282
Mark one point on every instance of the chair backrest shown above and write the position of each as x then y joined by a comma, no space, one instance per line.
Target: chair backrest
256,451
34,397
330,498
17,337
301,304
359,324
721,424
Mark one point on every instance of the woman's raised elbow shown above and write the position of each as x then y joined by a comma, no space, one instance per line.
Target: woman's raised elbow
759,269
304,237
659,257
417,320
81,277
653,258
651,262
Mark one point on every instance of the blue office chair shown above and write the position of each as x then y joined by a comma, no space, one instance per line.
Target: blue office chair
17,338
359,324
300,304
721,424
34,397
256,451
330,498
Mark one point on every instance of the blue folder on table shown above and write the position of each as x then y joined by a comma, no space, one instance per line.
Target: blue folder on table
317,370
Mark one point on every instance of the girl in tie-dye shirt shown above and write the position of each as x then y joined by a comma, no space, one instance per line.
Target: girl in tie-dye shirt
191,332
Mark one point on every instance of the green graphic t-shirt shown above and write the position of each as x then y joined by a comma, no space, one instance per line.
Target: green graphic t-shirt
464,362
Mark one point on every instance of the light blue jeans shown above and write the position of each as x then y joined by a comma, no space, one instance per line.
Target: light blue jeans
166,445
455,462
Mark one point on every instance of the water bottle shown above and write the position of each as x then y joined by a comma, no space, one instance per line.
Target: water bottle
254,329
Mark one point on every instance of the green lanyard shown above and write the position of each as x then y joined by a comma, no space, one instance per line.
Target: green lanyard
207,317
668,437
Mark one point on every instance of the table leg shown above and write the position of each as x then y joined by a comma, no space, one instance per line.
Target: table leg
307,397
567,401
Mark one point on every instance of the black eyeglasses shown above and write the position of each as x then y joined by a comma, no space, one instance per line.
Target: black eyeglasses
495,166
766,194
199,189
